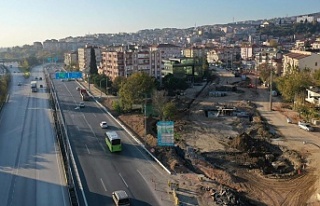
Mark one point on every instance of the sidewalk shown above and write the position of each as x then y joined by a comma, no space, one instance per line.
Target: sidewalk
92,90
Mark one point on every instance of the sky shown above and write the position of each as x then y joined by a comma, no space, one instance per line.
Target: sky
27,21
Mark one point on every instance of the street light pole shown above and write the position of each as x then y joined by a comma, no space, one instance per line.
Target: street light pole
145,114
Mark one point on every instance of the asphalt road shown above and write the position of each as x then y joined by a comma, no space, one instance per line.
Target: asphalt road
30,165
102,172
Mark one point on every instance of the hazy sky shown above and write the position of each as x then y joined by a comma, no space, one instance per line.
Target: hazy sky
26,21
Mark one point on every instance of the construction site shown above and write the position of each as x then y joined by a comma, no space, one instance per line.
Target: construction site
230,152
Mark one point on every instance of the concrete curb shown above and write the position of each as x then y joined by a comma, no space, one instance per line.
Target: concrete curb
128,131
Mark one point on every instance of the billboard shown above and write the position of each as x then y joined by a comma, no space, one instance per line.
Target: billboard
165,133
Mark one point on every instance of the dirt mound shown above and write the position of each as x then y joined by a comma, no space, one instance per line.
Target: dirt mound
244,142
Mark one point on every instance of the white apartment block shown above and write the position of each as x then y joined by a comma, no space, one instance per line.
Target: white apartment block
246,52
316,44
70,58
305,18
297,60
84,56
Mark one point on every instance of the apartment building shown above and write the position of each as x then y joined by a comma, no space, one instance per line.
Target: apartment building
266,55
162,52
70,58
125,63
84,56
246,52
224,55
183,67
316,44
148,59
51,45
297,60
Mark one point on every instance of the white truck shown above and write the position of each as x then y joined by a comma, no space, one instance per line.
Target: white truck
305,126
34,86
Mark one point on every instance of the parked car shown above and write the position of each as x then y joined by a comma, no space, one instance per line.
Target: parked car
305,126
19,84
103,124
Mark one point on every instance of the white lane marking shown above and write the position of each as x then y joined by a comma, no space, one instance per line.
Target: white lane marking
145,156
123,180
60,169
88,150
102,146
104,187
142,176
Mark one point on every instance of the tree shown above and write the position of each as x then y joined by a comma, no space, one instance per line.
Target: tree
159,100
117,83
24,64
293,83
135,89
264,72
169,110
316,77
93,62
273,43
172,83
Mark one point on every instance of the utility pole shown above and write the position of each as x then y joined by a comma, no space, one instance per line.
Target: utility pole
145,114
270,100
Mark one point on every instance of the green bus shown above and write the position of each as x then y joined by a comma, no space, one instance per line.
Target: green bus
113,141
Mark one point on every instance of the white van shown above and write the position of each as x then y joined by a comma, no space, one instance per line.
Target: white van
120,198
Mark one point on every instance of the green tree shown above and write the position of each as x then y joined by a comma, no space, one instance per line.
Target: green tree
93,62
293,83
24,64
273,43
135,89
316,77
172,83
264,72
169,111
117,83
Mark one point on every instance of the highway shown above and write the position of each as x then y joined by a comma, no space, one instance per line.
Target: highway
102,172
30,165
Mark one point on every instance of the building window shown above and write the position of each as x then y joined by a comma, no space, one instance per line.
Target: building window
316,64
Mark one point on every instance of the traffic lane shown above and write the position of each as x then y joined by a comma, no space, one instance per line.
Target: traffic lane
132,162
91,142
11,127
38,160
97,173
25,162
106,172
91,118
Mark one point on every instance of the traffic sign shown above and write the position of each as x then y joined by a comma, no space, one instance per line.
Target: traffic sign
61,75
165,133
68,75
